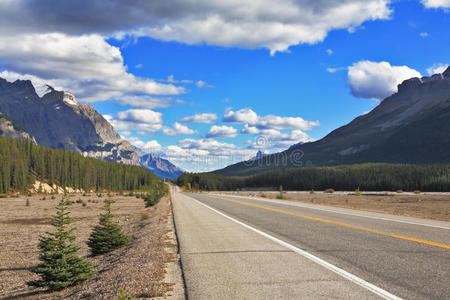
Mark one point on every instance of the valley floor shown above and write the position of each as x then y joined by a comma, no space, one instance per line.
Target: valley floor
435,206
143,269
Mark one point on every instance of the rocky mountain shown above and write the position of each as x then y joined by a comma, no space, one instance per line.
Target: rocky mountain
10,130
160,167
258,155
55,119
411,126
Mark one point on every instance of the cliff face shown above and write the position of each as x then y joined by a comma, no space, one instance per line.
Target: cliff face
160,167
55,119
410,126
10,130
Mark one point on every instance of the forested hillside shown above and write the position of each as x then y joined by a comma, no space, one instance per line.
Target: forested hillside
367,177
21,163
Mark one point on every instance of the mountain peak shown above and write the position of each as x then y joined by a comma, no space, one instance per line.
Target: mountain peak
159,166
446,73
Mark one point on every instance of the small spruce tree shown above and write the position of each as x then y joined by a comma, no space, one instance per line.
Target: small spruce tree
60,265
107,236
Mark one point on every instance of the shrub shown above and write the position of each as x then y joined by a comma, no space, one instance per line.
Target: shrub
416,192
329,191
145,215
280,195
399,191
262,195
123,295
357,192
311,192
27,203
84,204
107,236
60,265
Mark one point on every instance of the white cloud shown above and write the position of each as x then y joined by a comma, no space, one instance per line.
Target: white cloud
144,120
204,118
329,52
424,34
205,144
271,139
334,70
263,23
436,3
85,65
437,69
246,23
248,116
178,129
221,132
150,146
146,116
377,80
250,129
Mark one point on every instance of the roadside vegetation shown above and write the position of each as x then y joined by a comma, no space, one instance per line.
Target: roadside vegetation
361,177
22,163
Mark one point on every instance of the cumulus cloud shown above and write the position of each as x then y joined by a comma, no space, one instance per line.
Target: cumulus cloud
204,118
437,69
248,23
436,3
272,139
86,65
377,80
205,144
145,120
150,146
248,116
178,129
140,116
221,132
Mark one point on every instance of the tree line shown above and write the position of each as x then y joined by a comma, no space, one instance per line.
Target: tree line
21,163
368,177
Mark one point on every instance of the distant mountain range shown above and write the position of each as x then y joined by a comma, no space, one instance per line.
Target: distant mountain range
161,167
411,126
55,119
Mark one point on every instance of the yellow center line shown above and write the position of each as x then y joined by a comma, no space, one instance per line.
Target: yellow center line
343,224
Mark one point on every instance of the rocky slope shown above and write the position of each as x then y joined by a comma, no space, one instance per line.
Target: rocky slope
411,126
55,119
10,130
160,167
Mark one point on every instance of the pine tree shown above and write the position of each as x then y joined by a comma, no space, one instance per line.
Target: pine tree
60,265
107,236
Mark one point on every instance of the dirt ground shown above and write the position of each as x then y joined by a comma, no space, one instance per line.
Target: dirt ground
434,206
138,268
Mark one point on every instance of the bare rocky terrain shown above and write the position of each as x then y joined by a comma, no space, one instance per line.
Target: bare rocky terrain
139,268
435,206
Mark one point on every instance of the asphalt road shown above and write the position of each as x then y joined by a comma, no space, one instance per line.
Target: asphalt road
222,259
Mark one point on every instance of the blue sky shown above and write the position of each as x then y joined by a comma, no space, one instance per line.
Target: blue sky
263,84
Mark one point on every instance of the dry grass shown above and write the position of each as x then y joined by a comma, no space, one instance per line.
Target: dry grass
138,268
420,205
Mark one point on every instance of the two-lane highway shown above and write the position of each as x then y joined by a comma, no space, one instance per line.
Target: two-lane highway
405,258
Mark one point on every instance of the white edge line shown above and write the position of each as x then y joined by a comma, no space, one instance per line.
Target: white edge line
333,211
353,278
